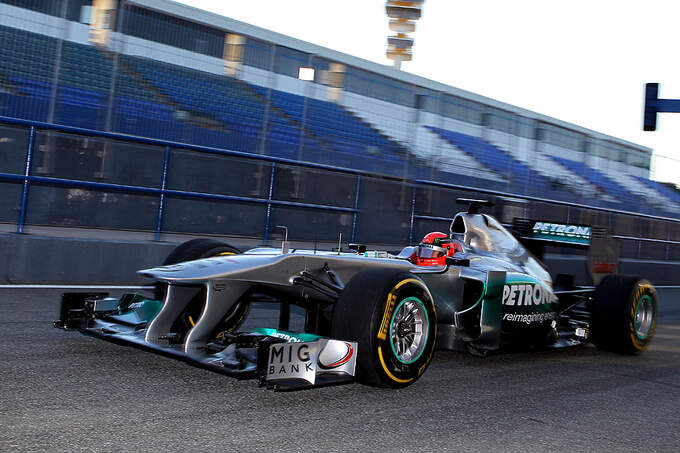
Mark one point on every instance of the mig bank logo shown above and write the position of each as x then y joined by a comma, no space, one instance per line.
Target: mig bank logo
305,360
293,361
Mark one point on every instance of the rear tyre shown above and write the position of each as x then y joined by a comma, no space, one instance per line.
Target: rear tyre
193,250
391,315
624,313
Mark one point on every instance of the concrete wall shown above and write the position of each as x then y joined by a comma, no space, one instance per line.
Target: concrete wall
46,260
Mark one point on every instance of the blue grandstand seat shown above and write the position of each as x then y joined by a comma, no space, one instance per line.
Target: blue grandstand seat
241,108
624,198
667,192
81,98
149,98
522,179
333,125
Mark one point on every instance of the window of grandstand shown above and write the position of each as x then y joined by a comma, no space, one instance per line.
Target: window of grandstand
500,120
635,157
392,91
378,87
427,100
611,151
288,61
600,149
622,153
564,138
86,15
526,127
258,54
640,159
74,8
462,109
51,7
306,74
358,81
79,10
173,31
404,93
320,65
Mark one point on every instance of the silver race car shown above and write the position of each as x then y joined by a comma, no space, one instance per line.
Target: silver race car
373,316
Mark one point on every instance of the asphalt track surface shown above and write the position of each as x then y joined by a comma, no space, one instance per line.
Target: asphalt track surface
63,391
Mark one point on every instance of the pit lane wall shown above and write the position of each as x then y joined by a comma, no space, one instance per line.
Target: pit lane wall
81,206
33,259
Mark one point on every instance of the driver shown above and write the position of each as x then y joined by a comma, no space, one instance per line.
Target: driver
434,249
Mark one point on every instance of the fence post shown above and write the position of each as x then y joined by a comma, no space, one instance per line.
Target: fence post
356,209
639,249
269,205
27,173
413,214
161,203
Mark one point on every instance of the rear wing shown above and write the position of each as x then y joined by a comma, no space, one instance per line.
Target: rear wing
559,234
603,250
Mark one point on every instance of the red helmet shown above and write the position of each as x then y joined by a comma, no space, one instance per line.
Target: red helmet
434,248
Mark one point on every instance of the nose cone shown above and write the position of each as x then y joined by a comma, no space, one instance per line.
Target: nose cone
208,268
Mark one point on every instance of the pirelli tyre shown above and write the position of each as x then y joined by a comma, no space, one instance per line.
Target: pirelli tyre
193,250
391,315
624,312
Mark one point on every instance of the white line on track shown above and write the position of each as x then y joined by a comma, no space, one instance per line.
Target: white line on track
75,287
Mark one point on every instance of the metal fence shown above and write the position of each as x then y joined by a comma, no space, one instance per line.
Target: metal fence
61,176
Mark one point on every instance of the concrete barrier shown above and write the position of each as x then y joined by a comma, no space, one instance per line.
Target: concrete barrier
35,259
31,259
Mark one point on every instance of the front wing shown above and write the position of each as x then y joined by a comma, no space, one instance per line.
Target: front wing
278,360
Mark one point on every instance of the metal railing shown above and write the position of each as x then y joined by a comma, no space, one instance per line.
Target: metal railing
414,215
27,178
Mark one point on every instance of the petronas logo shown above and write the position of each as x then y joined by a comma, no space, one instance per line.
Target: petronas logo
527,294
562,230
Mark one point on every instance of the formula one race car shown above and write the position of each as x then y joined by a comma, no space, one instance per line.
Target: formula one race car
372,316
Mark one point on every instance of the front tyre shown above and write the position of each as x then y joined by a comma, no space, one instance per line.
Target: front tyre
391,315
196,249
624,313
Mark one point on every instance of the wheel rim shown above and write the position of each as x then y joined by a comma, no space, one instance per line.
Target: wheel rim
409,330
643,317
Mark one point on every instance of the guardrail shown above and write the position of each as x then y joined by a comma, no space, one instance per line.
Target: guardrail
163,192
268,200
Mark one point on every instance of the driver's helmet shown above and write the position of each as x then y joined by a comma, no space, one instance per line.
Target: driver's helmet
434,248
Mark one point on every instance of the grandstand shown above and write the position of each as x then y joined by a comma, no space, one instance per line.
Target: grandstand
176,73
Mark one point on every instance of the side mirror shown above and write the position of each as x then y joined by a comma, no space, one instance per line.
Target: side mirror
453,261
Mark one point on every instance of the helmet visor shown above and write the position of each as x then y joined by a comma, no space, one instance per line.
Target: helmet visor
427,251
